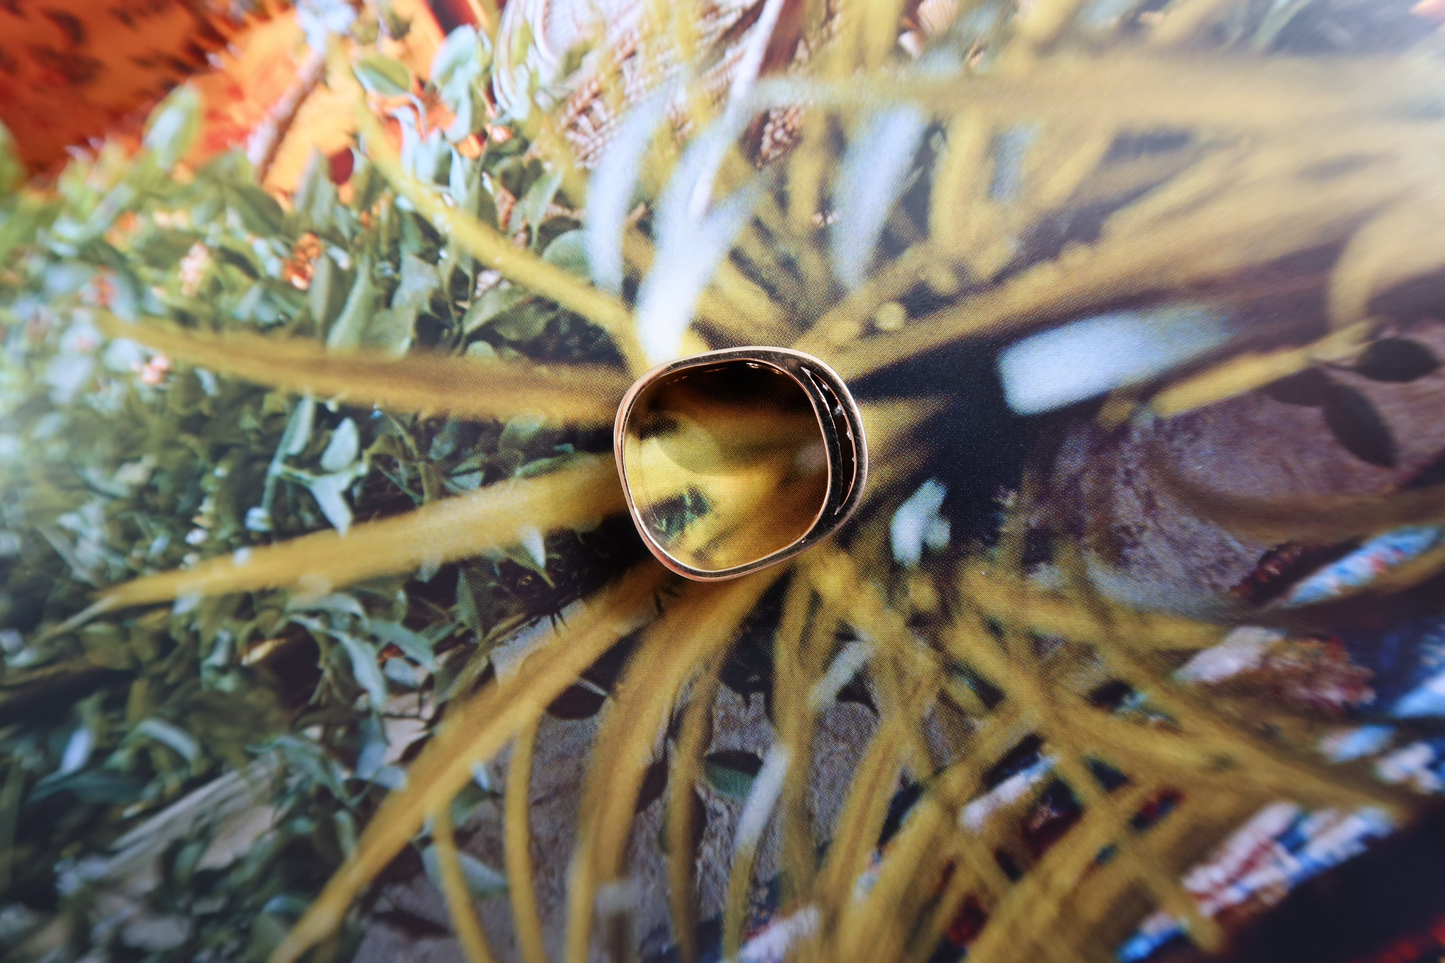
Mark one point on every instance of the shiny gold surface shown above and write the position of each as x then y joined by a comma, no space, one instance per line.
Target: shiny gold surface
726,464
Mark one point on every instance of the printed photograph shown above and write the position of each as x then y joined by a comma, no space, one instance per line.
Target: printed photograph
722,481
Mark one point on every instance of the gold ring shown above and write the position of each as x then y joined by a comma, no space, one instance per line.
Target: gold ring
737,459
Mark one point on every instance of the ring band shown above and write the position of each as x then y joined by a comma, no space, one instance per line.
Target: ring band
737,459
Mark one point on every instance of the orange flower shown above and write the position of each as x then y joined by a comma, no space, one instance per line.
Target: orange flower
302,263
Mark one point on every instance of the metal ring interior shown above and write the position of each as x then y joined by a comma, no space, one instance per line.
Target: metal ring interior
839,422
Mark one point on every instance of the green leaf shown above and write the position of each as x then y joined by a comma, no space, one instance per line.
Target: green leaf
532,207
267,932
107,786
12,171
391,330
534,547
173,125
419,280
65,278
569,252
464,179
323,297
175,738
367,185
486,211
346,334
383,75
364,667
19,226
469,610
306,757
238,258
313,175
527,323
412,644
345,825
521,46
336,602
330,494
469,801
298,428
493,303
518,431
104,646
258,211
482,881
315,202
461,52
459,65
541,466
397,27
444,442
430,158
343,448
730,772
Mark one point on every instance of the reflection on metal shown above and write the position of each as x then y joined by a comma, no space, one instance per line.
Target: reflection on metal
736,459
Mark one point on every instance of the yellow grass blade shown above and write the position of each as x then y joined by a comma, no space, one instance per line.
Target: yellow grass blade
1294,773
696,628
427,384
682,803
487,17
475,731
1186,18
1030,909
1251,224
1402,243
484,520
454,887
1042,22
960,207
517,803
1267,97
794,671
1168,892
878,31
864,810
905,674
1016,603
1070,154
1246,372
845,322
914,863
1319,520
940,917
1201,821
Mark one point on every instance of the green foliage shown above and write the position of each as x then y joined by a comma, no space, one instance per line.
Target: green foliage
12,172
172,127
115,463
384,75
